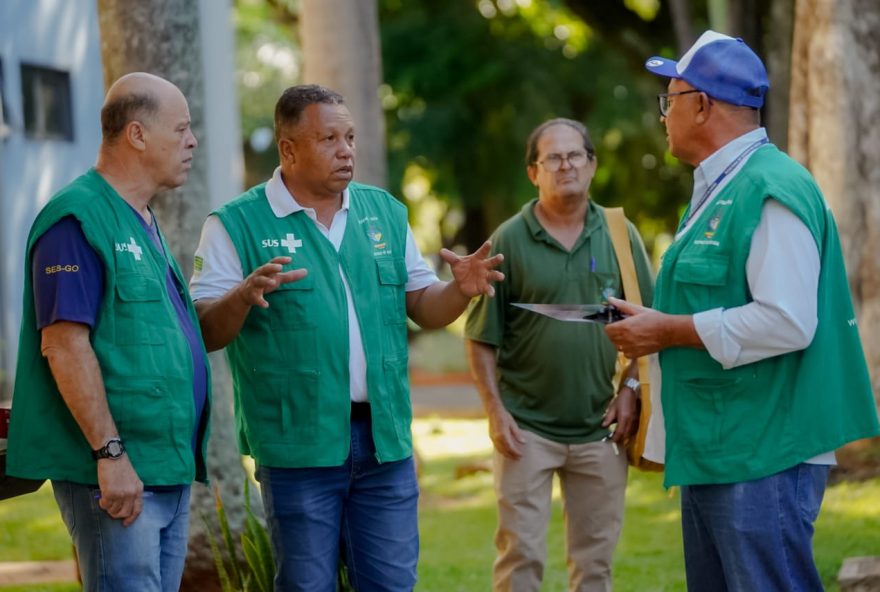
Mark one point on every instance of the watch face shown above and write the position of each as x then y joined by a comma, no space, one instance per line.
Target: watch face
114,448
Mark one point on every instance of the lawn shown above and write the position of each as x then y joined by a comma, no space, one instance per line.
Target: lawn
457,521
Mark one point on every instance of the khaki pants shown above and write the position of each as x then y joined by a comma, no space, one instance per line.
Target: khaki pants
593,481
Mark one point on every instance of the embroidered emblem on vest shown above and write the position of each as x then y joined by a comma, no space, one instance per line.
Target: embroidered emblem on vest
130,247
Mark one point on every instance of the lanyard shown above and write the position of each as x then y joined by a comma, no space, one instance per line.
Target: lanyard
692,211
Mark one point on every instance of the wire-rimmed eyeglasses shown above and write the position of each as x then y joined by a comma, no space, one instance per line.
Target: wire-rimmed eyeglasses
553,162
663,99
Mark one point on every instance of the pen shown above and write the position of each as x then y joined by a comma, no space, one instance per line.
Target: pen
592,264
613,443
143,494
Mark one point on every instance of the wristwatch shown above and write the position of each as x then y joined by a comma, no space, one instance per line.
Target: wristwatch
633,383
112,449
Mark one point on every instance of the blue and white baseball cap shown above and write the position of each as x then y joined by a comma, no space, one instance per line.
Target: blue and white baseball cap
722,67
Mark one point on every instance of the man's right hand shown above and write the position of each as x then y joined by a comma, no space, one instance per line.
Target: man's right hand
506,436
121,489
266,279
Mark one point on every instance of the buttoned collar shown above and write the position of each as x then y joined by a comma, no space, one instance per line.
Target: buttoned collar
593,221
283,203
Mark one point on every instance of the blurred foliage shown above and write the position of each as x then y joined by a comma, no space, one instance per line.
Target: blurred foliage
267,62
465,83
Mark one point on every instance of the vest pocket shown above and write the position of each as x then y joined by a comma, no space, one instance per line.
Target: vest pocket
708,410
139,309
292,305
396,371
392,287
151,422
708,269
699,276
287,409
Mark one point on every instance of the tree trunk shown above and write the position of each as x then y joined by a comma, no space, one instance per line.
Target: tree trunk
680,10
340,42
833,131
777,35
162,37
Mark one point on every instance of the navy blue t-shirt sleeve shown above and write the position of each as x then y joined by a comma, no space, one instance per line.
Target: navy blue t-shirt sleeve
68,276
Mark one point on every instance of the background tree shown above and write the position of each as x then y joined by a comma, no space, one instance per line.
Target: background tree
340,43
833,131
465,86
163,37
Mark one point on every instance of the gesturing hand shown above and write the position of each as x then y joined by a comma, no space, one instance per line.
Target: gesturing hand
266,279
476,272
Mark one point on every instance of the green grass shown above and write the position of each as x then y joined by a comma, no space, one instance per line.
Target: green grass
42,588
31,528
457,521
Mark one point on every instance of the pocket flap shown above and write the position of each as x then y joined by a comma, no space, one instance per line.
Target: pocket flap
392,272
707,270
306,283
134,287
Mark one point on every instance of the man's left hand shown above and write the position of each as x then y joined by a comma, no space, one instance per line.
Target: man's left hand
475,273
622,411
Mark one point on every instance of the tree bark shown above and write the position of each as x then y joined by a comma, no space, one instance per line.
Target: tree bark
340,42
680,12
835,106
162,37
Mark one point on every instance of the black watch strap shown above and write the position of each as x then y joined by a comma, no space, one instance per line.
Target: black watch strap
114,448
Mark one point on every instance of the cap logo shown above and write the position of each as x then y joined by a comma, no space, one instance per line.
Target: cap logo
654,63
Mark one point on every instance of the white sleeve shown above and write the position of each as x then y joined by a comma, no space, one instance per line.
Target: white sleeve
420,273
783,275
217,267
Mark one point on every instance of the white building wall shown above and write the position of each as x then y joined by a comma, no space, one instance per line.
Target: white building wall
63,35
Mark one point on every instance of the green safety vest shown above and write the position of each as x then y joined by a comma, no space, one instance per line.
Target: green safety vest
144,356
726,426
290,361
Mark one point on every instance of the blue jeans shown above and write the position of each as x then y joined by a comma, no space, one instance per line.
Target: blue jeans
147,556
367,507
753,536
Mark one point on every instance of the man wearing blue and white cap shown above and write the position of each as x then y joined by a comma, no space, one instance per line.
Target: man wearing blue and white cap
763,374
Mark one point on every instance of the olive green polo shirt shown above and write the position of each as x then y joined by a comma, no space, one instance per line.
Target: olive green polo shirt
555,377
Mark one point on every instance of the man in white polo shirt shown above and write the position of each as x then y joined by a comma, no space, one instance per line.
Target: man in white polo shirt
319,352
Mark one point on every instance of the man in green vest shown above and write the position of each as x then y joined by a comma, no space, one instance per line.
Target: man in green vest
547,386
763,374
112,395
319,352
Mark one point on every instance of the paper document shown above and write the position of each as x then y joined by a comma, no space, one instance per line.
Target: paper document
576,313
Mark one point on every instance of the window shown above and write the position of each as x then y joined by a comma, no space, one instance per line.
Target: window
4,126
46,98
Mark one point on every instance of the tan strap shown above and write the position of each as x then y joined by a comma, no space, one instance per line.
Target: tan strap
623,250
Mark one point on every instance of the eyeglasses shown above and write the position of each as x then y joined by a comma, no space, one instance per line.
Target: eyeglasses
663,99
553,162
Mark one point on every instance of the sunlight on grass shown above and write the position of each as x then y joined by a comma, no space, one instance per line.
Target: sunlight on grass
457,522
438,438
42,588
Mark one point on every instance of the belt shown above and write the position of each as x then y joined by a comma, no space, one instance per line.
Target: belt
360,410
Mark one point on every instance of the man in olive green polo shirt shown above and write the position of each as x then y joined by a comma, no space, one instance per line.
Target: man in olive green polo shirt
547,385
